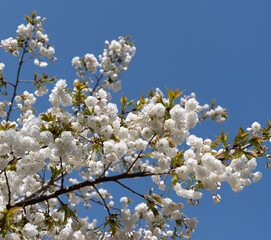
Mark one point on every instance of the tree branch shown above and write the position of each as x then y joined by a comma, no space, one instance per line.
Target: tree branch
138,156
6,82
105,205
9,192
131,190
17,80
42,189
75,187
96,85
62,173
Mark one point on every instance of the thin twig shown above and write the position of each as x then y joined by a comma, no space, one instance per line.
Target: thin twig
133,163
6,82
95,201
43,189
105,205
96,85
131,190
26,81
17,80
62,203
9,192
62,173
103,174
139,155
85,138
30,58
43,176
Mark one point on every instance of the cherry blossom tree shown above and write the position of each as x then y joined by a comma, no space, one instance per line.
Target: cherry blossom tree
54,161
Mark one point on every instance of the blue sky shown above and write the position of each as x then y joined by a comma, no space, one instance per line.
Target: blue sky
215,48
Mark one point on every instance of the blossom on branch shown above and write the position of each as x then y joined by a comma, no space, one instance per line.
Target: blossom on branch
83,141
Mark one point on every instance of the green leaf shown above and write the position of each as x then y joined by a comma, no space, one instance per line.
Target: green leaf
130,103
213,103
157,198
177,93
170,94
254,142
67,212
14,209
155,211
223,139
250,154
175,178
55,172
179,222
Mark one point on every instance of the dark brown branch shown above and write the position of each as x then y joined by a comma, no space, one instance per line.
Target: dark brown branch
81,185
17,80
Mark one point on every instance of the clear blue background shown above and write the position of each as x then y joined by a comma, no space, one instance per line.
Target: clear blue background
215,48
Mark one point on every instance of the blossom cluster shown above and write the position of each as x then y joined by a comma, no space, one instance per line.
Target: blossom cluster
101,138
115,59
10,44
59,95
218,113
84,140
31,37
